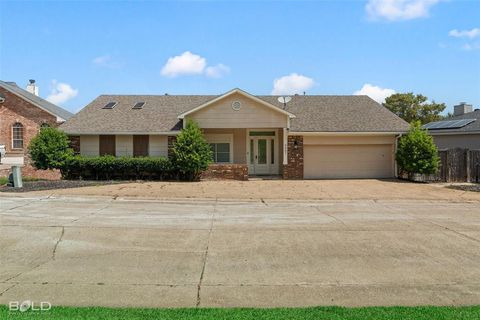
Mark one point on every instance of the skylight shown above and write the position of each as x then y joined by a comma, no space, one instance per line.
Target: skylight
138,105
110,105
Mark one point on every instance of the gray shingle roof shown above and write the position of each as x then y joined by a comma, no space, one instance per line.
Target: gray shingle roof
472,127
36,100
313,113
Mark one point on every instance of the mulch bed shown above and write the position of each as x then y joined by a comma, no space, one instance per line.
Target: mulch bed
56,184
466,187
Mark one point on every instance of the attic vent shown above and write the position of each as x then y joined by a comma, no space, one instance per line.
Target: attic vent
138,105
110,105
236,105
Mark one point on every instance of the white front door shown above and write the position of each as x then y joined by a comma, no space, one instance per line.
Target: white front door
263,155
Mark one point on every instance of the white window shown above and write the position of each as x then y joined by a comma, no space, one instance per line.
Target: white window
220,152
17,136
222,147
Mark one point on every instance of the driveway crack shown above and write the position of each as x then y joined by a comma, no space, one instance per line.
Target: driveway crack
333,217
92,213
52,257
4,291
57,243
199,286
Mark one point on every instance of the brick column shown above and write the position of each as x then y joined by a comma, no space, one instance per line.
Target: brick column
294,169
171,141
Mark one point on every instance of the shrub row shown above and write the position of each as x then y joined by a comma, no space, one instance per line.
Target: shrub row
123,168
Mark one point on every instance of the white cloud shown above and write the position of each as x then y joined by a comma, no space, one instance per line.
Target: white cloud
376,93
217,71
471,46
184,64
475,32
292,84
395,10
61,92
106,61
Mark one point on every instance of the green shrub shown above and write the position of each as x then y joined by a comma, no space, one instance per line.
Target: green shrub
124,168
416,152
191,152
49,149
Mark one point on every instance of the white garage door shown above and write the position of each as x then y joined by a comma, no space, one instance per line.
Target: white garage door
348,161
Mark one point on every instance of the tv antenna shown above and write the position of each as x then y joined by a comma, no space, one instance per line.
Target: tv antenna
284,100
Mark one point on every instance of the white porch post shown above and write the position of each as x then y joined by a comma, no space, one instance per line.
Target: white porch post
285,146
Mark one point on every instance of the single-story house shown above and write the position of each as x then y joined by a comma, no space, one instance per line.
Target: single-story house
22,113
308,137
462,130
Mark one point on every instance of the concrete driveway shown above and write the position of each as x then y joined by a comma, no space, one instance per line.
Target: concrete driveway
100,251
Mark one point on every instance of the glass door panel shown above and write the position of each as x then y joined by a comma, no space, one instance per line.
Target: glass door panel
252,152
262,151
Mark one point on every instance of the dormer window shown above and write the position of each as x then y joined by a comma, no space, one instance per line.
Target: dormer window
110,105
139,105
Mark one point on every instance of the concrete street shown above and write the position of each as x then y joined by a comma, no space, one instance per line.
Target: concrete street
116,252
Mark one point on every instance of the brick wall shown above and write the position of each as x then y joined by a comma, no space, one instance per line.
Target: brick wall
294,168
226,171
16,109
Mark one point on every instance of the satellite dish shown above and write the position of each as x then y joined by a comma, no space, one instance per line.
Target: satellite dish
284,99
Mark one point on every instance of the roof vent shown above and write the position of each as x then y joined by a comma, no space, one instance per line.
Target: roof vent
138,105
110,105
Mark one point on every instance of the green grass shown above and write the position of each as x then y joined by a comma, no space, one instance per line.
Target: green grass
4,180
318,313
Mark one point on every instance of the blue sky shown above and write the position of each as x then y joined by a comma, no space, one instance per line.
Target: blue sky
79,50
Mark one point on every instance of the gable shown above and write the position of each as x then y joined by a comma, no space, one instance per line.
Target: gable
23,111
250,114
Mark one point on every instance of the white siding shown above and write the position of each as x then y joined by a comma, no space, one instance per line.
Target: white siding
89,146
158,146
251,115
124,145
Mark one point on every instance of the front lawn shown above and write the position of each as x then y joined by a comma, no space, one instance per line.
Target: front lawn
318,313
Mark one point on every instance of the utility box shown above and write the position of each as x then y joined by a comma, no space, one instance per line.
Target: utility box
17,177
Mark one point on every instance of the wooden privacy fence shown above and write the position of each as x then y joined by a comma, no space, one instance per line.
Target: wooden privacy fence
456,165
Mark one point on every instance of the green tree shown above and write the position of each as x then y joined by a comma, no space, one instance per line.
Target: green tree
416,152
191,152
49,149
411,107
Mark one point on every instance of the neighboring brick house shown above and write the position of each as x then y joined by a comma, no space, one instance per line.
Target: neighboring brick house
22,114
305,137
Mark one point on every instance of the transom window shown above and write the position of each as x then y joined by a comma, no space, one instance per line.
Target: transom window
17,136
262,133
220,152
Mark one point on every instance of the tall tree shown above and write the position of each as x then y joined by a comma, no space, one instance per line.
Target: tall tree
414,107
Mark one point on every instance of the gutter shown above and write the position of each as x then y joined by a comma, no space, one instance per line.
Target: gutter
163,133
446,133
340,133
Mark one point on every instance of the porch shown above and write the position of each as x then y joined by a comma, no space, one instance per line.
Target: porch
239,153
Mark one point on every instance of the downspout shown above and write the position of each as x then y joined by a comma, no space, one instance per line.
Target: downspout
397,137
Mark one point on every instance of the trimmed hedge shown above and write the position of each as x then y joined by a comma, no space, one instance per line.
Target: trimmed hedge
113,168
